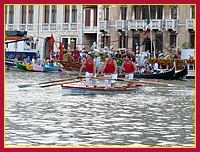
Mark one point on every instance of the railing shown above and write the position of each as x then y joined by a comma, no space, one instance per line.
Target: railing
104,25
171,25
74,26
122,25
156,24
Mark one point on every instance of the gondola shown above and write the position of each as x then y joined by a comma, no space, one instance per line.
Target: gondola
181,73
166,75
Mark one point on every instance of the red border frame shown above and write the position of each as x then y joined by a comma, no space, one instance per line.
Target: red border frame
2,149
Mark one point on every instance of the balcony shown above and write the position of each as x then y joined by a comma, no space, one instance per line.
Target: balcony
190,24
45,27
22,27
53,26
65,26
157,24
104,26
11,27
73,26
136,25
122,25
30,27
171,25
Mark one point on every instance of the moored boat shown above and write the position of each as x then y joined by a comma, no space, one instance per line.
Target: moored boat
38,68
181,73
166,75
20,66
50,68
29,67
79,90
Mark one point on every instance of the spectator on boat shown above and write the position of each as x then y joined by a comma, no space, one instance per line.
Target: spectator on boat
11,56
110,71
33,60
90,66
37,55
160,54
52,55
28,60
155,67
118,55
76,54
129,69
83,56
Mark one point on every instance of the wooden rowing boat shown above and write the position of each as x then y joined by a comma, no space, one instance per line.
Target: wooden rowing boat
29,67
20,66
37,68
79,90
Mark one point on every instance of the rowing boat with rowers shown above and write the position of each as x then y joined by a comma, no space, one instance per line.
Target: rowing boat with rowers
81,90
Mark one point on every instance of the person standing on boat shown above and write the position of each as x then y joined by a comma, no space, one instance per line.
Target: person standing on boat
90,66
129,69
110,71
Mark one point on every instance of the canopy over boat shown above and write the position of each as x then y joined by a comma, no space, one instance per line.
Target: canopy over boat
78,90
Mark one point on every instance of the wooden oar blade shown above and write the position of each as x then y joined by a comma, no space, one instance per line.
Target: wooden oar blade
26,85
57,80
49,85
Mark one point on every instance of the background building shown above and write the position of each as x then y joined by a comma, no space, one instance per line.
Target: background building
119,27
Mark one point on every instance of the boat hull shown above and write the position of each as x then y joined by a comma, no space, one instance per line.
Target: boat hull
37,68
29,67
20,66
75,90
181,73
166,75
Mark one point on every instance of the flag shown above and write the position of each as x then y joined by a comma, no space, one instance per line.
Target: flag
51,40
148,21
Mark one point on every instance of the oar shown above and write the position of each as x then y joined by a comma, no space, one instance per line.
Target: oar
29,85
49,85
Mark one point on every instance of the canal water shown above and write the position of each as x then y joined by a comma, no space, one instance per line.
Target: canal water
153,116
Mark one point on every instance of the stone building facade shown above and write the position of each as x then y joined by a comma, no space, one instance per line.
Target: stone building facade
119,27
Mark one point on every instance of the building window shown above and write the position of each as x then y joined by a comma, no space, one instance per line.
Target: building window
174,12
87,17
53,13
192,39
138,11
123,12
6,13
74,14
159,12
153,12
46,13
159,42
11,14
105,41
145,10
30,14
23,14
136,42
106,12
193,12
66,14
95,16
123,41
173,40
65,43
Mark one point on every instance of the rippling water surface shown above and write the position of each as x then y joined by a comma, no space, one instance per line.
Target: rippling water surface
152,116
